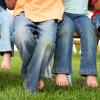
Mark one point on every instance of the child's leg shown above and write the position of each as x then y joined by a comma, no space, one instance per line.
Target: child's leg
63,53
6,20
41,85
44,69
88,48
24,40
6,61
41,57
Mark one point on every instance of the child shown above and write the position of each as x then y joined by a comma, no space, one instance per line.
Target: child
75,20
6,20
35,28
96,15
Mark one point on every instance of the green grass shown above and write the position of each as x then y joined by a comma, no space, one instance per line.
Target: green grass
11,85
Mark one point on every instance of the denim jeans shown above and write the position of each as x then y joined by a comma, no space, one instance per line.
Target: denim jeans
35,42
96,22
6,30
63,55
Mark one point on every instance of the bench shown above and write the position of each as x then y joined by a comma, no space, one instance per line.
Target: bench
77,38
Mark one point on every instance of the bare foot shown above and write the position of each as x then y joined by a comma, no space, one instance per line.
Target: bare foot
62,80
41,85
92,81
6,61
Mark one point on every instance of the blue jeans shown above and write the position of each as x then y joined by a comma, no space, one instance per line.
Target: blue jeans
63,55
35,42
6,30
96,22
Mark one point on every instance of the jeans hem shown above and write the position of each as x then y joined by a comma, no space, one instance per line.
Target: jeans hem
85,73
67,72
27,88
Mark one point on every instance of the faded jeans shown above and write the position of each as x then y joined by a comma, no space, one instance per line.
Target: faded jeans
63,55
35,42
6,30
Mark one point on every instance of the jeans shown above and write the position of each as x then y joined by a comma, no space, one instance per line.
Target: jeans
6,30
63,54
96,22
35,42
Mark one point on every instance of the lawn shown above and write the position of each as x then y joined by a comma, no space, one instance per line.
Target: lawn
11,85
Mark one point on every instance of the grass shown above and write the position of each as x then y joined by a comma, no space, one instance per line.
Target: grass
11,85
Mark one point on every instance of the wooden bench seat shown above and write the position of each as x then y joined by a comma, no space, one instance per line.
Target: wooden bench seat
77,38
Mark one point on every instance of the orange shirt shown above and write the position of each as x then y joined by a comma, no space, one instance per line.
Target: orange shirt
40,10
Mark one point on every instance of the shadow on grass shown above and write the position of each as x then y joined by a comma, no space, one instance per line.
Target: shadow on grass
10,80
78,84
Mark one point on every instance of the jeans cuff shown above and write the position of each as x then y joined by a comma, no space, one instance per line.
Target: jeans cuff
28,87
88,72
64,71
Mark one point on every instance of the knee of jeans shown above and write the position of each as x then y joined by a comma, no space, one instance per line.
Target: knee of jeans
22,38
6,26
0,24
20,33
8,19
67,30
48,43
0,21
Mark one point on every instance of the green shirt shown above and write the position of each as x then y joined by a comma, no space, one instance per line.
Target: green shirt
76,6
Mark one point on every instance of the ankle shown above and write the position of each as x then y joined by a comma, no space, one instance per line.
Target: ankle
7,54
91,76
